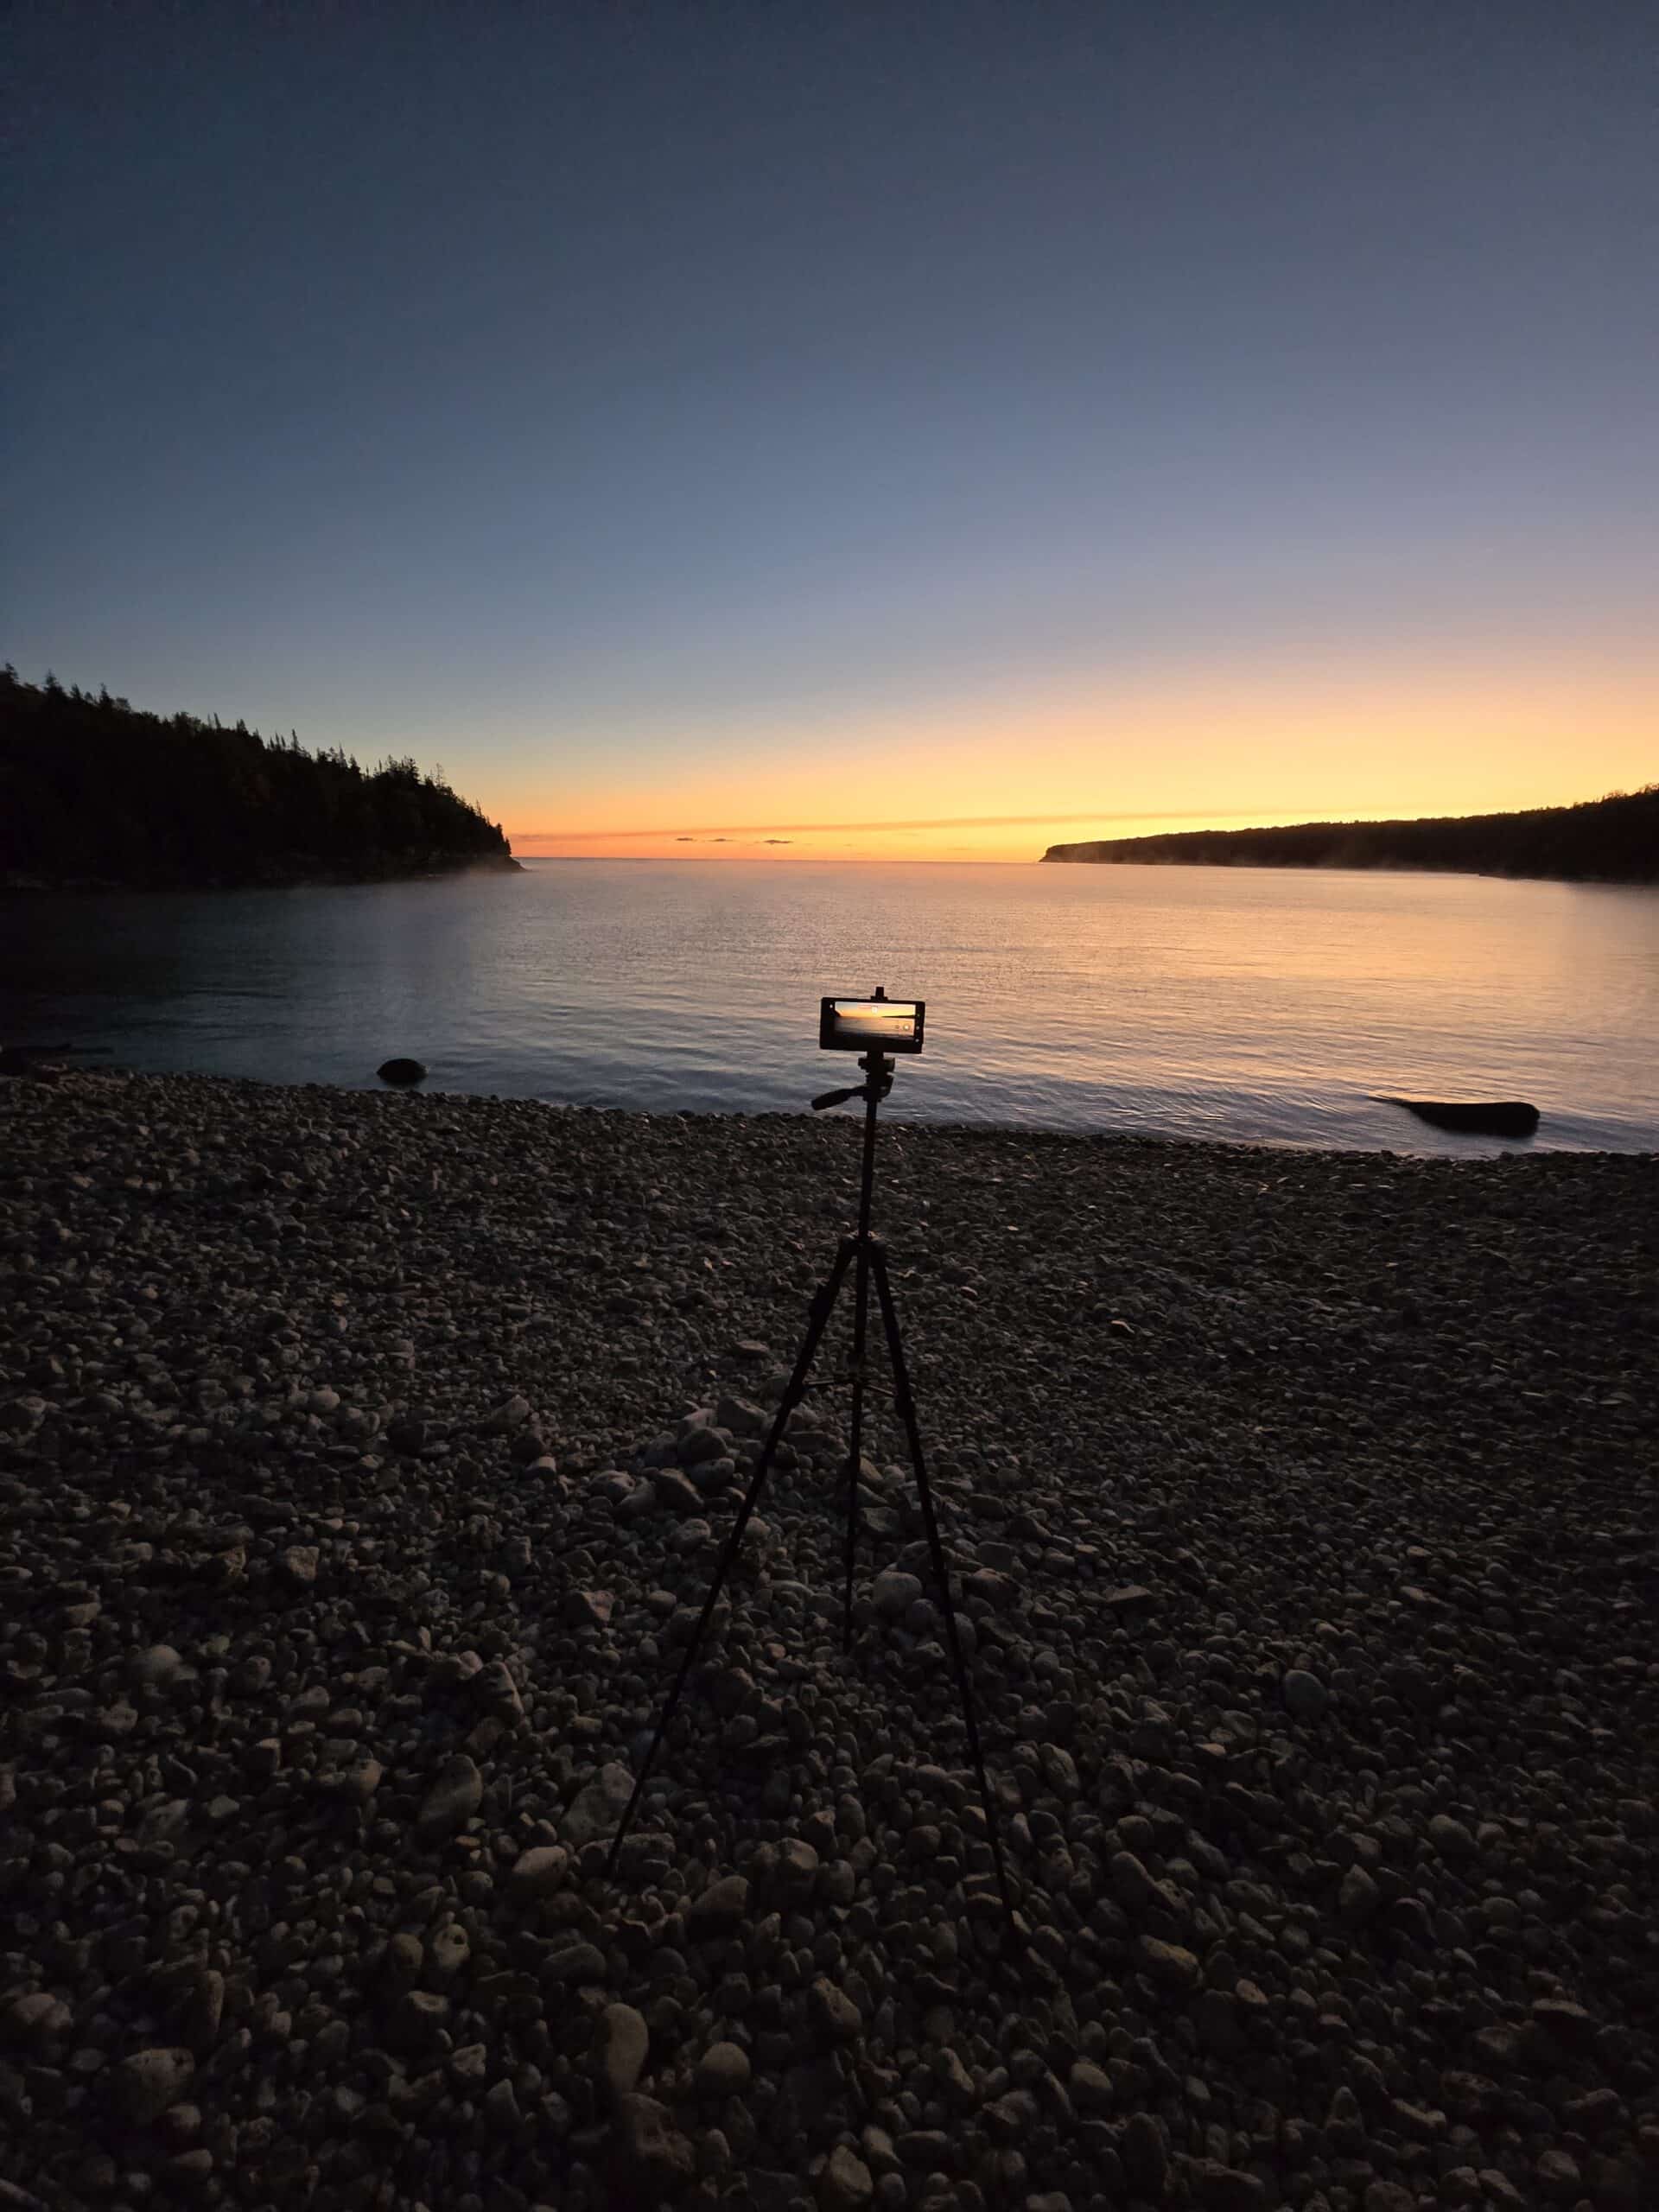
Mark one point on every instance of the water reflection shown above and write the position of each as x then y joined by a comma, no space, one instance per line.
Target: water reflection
1219,1002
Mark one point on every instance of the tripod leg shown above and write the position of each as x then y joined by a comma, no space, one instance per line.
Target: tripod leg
906,1405
823,1304
860,1314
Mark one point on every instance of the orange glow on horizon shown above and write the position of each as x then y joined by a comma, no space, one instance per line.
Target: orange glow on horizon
1261,747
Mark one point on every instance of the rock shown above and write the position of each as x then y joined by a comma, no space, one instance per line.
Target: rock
1506,1117
1389,2196
300,1564
723,2070
157,1668
1171,1966
577,1965
452,1801
720,1910
1451,1839
1145,2153
405,1958
36,2021
501,2104
621,2041
797,1866
538,1872
142,2087
357,1783
833,2013
700,1443
1091,2087
651,2159
508,1418
1305,1696
401,1070
596,1813
893,1593
740,1417
589,1608
497,1694
845,2185
1228,2188
670,1488
417,2018
1358,1900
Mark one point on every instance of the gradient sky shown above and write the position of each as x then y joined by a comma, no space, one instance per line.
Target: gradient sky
727,420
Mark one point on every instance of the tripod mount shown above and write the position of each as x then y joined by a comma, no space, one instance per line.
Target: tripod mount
867,1256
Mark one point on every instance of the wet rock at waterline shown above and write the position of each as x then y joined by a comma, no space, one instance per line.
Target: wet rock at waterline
1306,1585
1503,1117
402,1072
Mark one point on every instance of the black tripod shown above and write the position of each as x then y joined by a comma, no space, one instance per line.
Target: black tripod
867,1256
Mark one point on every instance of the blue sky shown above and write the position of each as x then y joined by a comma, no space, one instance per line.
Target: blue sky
638,407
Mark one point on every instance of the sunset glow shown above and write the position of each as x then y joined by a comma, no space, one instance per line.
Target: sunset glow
1280,744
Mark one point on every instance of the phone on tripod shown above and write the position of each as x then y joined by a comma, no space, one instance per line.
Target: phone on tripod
877,1025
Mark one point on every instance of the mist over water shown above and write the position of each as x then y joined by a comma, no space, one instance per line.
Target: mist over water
1247,1004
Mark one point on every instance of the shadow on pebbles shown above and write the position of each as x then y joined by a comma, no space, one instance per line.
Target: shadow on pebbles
364,1460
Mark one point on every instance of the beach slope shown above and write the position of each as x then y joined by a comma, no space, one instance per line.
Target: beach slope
363,1464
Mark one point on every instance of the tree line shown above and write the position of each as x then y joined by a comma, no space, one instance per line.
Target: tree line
1611,840
94,792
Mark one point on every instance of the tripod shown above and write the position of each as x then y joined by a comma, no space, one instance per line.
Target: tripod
867,1257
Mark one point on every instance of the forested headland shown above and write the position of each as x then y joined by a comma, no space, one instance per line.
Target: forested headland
1612,840
95,793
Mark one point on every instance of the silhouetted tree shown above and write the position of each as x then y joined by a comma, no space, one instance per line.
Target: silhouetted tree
93,792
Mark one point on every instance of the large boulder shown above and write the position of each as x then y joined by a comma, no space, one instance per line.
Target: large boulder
401,1071
1503,1117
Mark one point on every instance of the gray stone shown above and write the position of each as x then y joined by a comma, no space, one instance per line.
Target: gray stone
833,2012
1145,2152
723,2070
1305,1696
1358,1900
722,1909
651,2158
538,1872
893,1593
589,1608
845,2185
596,1813
622,2041
143,2086
451,1801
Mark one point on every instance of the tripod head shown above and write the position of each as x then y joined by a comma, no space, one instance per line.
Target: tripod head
878,1072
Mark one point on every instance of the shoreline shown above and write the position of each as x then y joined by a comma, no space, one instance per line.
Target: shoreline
49,1063
364,1457
14,886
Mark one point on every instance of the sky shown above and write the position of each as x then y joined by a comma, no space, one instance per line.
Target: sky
779,431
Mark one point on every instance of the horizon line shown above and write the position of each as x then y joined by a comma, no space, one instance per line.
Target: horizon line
937,821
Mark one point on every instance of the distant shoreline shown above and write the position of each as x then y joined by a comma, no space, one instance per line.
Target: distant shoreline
1613,841
1357,868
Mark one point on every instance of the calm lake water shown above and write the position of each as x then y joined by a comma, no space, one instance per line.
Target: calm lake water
1249,1004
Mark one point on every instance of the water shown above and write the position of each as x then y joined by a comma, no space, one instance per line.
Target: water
1249,1004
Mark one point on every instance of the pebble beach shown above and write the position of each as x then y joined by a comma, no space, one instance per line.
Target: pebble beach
363,1461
